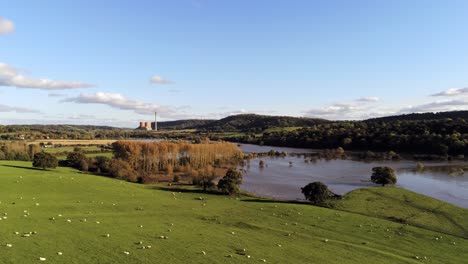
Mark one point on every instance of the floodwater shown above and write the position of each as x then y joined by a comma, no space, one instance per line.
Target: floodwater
282,180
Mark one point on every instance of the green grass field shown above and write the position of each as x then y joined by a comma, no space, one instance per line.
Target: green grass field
73,213
407,207
70,149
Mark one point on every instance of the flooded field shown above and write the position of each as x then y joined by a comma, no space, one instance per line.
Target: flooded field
282,177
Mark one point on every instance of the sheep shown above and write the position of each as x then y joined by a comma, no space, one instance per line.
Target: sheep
8,245
204,253
42,259
59,253
126,253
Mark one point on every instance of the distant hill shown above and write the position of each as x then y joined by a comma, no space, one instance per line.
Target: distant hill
253,122
184,124
422,116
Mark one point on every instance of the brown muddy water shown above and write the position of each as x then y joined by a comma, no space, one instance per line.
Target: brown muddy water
282,177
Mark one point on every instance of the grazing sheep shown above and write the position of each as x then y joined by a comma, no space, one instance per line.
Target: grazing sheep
42,259
126,253
59,253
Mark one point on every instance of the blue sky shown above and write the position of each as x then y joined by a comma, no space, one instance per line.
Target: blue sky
116,62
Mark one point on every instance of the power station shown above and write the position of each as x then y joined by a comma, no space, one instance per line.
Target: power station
149,125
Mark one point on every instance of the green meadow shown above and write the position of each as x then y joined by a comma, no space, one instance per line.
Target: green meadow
64,216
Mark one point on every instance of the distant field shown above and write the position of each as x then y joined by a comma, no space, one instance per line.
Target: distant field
70,149
66,142
281,129
92,219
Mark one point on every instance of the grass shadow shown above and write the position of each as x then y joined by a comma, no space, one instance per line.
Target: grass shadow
23,167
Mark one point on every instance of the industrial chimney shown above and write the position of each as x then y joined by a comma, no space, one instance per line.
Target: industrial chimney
155,121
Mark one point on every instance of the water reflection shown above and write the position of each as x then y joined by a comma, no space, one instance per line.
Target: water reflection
282,177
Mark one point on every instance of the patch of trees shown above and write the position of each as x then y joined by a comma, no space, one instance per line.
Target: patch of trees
18,151
146,161
423,116
437,137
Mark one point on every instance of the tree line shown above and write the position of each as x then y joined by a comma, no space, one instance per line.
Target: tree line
438,137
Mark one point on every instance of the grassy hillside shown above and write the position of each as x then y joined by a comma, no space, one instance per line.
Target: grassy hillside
406,207
184,124
72,213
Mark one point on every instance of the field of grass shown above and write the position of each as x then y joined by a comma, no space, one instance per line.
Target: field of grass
70,149
406,207
91,219
281,129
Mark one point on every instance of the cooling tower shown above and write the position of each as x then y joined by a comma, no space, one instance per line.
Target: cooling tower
142,124
148,124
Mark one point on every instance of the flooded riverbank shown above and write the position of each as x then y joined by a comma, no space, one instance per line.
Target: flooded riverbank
282,177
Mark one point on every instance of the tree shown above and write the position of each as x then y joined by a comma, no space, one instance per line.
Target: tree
230,183
383,175
75,159
317,192
45,160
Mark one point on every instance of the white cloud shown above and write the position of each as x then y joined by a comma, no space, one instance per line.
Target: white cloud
20,110
452,92
119,101
357,109
437,106
10,76
56,95
6,26
159,80
368,99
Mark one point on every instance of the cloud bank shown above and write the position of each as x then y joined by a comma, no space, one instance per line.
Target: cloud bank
121,102
357,109
9,76
452,92
20,110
